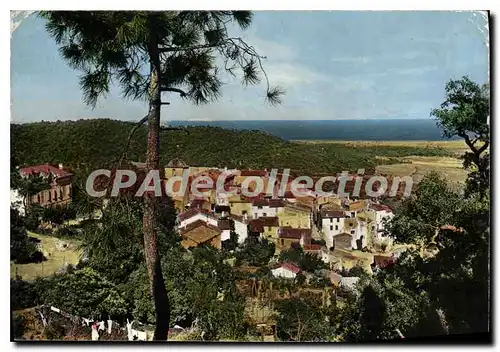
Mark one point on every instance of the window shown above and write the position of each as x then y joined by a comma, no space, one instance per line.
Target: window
353,214
337,227
50,196
269,228
282,242
55,196
38,198
60,194
264,214
243,212
338,220
352,232
255,215
331,219
259,207
331,228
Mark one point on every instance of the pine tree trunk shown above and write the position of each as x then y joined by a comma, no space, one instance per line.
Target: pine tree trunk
150,218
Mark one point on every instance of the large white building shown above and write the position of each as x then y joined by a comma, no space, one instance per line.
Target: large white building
332,224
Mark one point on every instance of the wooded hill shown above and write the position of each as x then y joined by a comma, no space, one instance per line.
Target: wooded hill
94,143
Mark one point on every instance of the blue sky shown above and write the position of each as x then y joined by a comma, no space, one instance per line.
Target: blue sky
332,64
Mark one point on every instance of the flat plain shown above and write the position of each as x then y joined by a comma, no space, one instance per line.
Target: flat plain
416,166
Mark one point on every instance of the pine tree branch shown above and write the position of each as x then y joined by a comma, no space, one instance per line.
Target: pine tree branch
132,132
175,90
193,47
483,148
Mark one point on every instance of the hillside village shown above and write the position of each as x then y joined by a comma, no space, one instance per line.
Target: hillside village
338,230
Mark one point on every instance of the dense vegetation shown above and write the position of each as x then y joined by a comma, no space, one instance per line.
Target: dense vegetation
439,287
89,144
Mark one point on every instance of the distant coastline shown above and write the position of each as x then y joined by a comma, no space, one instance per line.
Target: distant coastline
342,130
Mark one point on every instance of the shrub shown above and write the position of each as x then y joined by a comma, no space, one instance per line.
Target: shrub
23,294
18,326
54,331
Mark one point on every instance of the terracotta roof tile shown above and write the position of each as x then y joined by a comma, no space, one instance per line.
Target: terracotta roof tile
380,207
224,225
312,247
197,224
333,214
295,233
193,212
45,169
383,261
276,203
290,266
261,173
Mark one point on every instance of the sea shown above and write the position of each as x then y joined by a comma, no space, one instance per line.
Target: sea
345,130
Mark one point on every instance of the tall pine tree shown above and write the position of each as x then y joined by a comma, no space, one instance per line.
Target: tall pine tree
150,53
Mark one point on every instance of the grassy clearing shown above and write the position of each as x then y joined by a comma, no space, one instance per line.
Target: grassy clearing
55,252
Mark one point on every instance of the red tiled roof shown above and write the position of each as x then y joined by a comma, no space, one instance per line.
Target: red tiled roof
260,202
268,220
312,247
45,169
383,261
293,268
261,173
333,214
197,224
380,207
289,232
224,225
192,212
237,218
276,203
255,226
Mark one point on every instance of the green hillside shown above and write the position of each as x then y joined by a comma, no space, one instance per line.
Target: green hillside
90,144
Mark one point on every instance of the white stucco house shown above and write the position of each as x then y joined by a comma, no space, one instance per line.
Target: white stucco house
332,224
286,270
240,227
192,215
383,214
266,207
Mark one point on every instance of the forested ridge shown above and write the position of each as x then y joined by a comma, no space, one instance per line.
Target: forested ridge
93,143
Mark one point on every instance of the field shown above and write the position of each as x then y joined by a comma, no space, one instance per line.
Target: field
417,166
57,251
455,145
